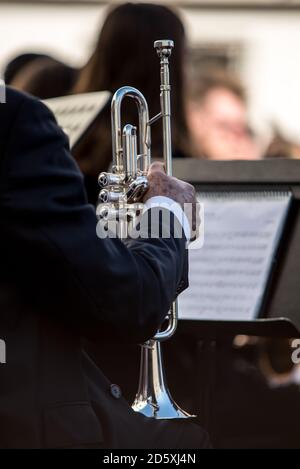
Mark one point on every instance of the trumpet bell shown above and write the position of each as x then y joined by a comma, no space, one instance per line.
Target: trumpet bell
153,398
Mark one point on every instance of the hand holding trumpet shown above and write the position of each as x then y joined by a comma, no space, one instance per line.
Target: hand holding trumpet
160,184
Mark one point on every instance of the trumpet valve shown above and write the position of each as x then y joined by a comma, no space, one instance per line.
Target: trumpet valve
110,179
136,189
106,196
106,213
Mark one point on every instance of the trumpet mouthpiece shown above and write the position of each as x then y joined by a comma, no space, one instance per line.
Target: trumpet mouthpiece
164,47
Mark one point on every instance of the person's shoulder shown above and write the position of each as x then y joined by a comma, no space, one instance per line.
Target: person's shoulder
25,107
13,99
22,112
14,102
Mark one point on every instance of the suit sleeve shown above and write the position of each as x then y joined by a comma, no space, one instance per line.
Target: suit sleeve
51,249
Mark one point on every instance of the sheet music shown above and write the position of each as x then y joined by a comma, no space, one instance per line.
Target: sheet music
75,113
229,274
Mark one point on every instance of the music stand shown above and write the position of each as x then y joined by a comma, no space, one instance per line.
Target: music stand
279,315
76,113
282,300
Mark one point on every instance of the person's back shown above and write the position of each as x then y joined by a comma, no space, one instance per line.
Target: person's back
58,284
40,404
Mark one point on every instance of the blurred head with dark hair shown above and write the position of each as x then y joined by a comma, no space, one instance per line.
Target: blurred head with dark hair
218,120
45,78
18,63
124,55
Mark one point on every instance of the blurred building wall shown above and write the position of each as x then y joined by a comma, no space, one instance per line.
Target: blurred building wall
269,43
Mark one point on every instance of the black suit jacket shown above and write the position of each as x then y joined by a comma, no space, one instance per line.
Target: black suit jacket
60,283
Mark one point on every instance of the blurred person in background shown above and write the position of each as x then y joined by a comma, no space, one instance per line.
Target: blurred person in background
217,119
40,75
18,63
124,55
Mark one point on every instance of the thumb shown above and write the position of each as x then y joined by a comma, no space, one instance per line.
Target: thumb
157,166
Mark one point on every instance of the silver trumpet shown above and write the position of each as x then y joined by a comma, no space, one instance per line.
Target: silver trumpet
123,188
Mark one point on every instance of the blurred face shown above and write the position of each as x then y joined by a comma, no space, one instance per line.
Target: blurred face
219,127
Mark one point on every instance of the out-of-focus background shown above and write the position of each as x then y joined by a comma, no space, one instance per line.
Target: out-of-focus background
257,39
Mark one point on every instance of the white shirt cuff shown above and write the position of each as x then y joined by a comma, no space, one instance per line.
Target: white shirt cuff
174,207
